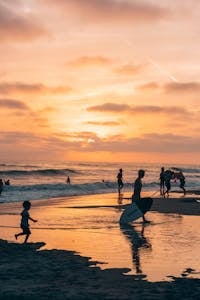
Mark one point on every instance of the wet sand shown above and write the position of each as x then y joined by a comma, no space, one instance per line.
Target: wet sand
26,273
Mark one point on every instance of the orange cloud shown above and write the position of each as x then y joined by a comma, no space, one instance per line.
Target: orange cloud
182,87
107,123
14,26
24,88
13,104
87,61
149,86
129,69
112,10
140,109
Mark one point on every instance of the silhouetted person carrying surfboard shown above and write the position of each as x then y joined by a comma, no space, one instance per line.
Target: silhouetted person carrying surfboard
144,204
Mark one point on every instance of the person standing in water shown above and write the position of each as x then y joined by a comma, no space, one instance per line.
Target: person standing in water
119,180
1,186
162,181
182,182
181,178
68,180
168,175
144,204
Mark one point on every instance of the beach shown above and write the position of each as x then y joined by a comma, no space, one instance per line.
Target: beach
77,250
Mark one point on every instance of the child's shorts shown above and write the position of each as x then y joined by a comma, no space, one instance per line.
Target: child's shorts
26,230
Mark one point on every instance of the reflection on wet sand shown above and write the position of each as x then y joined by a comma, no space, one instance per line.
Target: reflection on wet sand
137,241
120,198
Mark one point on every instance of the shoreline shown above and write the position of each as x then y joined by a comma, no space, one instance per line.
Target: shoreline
160,204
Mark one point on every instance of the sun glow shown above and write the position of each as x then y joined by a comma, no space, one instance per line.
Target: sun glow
97,80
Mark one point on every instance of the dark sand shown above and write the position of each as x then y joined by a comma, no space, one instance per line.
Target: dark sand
26,273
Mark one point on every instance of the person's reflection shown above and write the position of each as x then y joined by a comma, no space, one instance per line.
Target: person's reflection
137,241
120,198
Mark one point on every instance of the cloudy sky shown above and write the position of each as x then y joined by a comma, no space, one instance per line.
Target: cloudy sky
100,80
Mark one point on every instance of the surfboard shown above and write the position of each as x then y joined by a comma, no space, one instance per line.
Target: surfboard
135,211
130,214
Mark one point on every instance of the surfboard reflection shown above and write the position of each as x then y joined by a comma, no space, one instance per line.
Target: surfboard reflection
137,241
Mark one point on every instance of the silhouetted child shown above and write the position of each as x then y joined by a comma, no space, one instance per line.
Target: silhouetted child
24,221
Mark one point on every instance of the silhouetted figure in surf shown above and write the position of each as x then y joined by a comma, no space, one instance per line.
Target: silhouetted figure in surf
144,204
162,181
24,221
119,180
182,182
181,178
7,182
68,180
1,186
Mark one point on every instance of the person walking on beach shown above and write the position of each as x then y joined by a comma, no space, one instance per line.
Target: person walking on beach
168,175
162,181
119,180
24,221
144,204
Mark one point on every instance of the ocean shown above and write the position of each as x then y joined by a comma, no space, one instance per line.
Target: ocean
31,181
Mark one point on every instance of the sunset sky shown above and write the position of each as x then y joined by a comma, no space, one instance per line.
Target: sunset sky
100,80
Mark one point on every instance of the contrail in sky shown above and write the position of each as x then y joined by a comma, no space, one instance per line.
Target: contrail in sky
168,74
155,64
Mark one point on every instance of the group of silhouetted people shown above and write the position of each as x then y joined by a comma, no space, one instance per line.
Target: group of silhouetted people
165,181
144,204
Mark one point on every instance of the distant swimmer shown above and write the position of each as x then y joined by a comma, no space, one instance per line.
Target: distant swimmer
68,180
119,180
144,204
24,221
7,182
